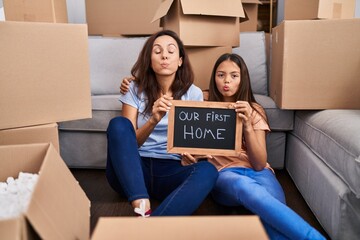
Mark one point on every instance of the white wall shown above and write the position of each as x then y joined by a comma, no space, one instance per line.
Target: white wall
2,15
76,11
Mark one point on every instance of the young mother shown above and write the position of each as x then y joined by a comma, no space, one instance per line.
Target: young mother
138,164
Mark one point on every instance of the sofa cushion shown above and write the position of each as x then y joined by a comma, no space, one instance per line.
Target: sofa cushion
111,59
279,120
104,108
253,50
329,197
334,136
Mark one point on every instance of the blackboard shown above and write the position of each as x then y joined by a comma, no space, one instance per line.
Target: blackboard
204,128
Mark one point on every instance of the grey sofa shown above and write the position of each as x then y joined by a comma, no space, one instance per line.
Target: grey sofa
83,142
323,159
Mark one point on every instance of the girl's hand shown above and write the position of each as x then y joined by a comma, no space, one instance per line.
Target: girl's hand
244,111
160,108
125,84
188,159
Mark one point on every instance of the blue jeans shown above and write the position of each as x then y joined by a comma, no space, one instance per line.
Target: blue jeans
180,188
261,193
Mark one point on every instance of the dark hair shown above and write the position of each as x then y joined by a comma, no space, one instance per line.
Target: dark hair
244,92
145,75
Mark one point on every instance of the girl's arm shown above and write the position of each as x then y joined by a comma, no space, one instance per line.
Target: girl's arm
255,139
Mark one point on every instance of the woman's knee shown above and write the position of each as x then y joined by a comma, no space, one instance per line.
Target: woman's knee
119,126
208,170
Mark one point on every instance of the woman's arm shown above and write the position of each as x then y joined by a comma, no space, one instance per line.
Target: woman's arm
159,109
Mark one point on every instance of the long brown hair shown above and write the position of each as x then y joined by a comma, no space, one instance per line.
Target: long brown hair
145,76
244,92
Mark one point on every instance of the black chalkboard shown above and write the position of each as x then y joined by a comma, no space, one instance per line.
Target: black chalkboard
205,128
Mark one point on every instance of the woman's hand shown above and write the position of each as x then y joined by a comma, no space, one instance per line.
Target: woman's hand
160,108
125,84
188,159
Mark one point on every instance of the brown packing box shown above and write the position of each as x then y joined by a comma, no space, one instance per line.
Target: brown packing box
46,133
251,11
315,9
44,74
202,22
202,61
114,17
315,64
59,208
179,228
54,11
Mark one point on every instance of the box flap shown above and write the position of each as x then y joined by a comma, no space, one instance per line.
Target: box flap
193,227
24,157
59,208
228,8
163,9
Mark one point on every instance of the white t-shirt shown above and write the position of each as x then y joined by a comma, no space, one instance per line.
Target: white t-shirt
156,144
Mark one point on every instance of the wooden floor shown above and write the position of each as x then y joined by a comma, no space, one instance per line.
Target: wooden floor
106,202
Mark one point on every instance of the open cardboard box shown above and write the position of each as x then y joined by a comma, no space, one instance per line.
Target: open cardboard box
59,208
202,22
114,17
44,74
45,133
54,11
318,9
180,228
315,64
202,66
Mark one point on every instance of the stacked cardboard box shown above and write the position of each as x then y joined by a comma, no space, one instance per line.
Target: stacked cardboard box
315,63
318,9
44,79
251,11
207,29
115,18
54,11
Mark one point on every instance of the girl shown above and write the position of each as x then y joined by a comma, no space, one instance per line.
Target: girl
247,179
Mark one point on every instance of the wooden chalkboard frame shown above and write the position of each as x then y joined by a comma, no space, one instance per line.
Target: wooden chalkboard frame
202,151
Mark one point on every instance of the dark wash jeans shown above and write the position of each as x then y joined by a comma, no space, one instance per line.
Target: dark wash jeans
180,188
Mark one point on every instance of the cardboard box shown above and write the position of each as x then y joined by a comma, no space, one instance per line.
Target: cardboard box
202,22
44,74
179,228
114,17
316,64
251,12
202,61
318,9
54,11
59,208
47,133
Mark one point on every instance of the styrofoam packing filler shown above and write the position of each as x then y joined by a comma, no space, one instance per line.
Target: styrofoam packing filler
15,194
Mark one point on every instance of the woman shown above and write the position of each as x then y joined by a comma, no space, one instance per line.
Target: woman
138,164
247,179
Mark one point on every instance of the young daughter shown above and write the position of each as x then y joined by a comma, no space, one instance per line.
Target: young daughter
247,179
